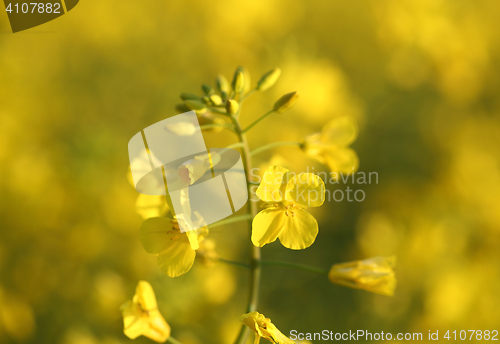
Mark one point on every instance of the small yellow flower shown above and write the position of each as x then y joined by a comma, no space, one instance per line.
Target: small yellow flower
374,274
330,147
141,316
176,250
286,196
264,328
206,254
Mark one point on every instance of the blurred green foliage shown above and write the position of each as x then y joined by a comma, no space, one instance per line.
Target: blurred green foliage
421,77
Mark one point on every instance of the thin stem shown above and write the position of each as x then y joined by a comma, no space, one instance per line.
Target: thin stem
295,266
248,94
234,263
173,340
211,126
274,145
231,219
257,121
255,269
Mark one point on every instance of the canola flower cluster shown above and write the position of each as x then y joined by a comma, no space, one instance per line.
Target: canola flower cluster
285,198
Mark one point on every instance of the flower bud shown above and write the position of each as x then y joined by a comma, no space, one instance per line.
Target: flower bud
207,89
285,102
190,96
232,106
238,83
195,105
374,274
222,84
216,99
206,100
268,79
181,108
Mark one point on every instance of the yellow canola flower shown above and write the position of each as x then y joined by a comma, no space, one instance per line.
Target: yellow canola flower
287,196
141,315
374,274
264,328
176,250
330,146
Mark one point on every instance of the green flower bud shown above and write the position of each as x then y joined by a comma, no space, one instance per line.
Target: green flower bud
285,102
238,83
268,79
222,84
206,100
207,89
195,105
190,96
232,106
181,108
216,99
223,95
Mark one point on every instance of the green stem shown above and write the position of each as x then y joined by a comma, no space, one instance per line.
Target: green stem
248,94
274,145
173,340
257,121
255,269
234,263
211,126
295,266
231,219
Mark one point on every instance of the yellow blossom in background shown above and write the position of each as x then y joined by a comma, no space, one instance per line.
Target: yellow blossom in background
176,250
264,328
141,316
286,196
374,274
330,146
206,253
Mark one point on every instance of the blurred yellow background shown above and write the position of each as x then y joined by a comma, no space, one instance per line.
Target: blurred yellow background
422,78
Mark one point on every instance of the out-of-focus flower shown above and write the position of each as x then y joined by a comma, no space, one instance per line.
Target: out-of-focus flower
330,146
206,253
192,170
264,328
286,196
151,205
176,250
142,317
374,274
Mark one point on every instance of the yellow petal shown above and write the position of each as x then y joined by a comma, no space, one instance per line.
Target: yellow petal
177,258
267,225
306,190
341,160
341,131
148,206
299,231
273,184
156,234
145,296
